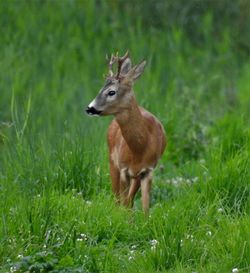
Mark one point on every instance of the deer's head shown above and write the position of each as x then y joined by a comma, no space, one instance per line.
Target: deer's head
116,94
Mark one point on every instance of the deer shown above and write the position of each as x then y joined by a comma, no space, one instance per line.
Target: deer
136,138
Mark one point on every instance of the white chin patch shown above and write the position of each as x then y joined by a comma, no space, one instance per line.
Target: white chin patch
94,115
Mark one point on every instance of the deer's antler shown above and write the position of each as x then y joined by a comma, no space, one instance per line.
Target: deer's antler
113,59
120,62
110,62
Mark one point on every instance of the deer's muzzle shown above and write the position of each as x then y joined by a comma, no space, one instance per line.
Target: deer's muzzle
92,111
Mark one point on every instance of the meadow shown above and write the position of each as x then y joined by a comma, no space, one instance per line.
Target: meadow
57,210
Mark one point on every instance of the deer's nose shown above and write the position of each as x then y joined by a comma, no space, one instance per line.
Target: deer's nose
92,111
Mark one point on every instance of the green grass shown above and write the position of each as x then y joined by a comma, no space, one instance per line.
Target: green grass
56,206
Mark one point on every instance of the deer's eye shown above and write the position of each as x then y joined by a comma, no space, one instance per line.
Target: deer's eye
111,93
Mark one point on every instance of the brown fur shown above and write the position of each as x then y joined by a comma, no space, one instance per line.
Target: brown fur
136,138
139,140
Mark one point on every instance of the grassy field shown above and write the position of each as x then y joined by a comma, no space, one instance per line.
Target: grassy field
56,206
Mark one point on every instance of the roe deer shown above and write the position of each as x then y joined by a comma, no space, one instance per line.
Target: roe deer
136,138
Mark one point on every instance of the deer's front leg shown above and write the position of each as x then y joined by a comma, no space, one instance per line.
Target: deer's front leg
146,183
115,178
133,188
124,186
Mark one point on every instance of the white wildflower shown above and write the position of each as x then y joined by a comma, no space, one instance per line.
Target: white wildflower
88,203
235,270
153,244
174,181
13,269
179,179
190,236
195,179
209,233
84,236
220,210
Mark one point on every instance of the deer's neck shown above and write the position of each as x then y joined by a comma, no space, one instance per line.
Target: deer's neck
133,128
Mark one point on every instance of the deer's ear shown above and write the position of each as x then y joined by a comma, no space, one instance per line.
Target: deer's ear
126,66
138,70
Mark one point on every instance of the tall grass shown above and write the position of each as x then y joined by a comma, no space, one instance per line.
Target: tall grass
57,209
